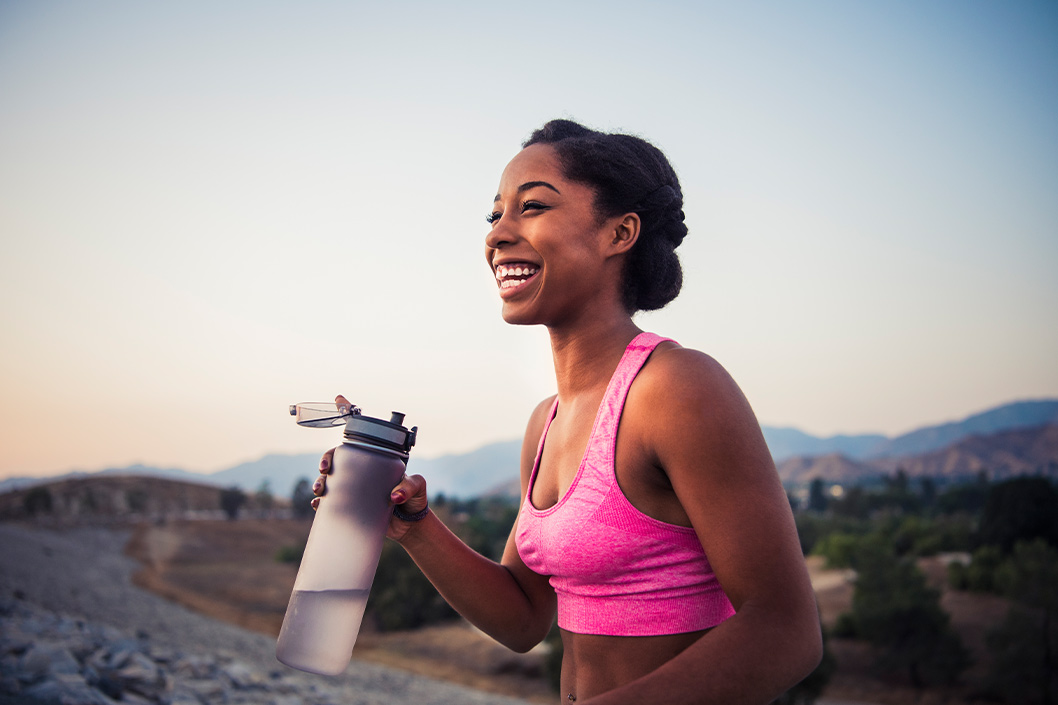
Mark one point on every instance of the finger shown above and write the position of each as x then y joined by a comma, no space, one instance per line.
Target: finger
409,487
315,503
327,462
343,402
319,487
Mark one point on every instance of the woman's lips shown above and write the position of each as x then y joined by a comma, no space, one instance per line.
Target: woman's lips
513,276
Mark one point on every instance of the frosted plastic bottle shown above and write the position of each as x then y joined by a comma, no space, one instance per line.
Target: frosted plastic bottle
327,605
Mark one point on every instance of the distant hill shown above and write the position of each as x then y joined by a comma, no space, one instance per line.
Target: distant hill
471,474
790,442
493,469
787,443
1022,414
458,475
833,468
1003,455
112,497
281,472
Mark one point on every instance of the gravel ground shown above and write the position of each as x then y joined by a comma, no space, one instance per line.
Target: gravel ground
82,573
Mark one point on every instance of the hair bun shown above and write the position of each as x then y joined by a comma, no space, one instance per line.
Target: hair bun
664,206
660,198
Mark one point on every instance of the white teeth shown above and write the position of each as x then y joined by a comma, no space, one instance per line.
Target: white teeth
503,271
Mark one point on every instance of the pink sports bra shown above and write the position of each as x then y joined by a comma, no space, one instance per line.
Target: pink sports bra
615,570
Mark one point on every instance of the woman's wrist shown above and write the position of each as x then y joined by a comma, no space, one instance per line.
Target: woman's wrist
398,511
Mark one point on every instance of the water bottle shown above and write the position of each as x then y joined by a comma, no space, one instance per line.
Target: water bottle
327,605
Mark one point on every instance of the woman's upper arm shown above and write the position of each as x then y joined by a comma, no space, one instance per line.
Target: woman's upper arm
535,586
706,438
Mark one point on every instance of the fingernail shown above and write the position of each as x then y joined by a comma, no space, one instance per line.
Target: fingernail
397,497
315,503
317,485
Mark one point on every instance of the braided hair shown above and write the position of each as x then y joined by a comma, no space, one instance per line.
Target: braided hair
628,175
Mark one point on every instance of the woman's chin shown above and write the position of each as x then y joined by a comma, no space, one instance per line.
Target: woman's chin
518,314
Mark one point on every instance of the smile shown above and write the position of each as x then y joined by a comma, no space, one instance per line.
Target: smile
510,276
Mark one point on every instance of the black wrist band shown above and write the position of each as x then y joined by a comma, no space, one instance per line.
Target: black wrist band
417,516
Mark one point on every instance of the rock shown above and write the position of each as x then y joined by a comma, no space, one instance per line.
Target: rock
10,685
183,696
50,660
45,659
195,666
242,676
65,689
141,676
205,689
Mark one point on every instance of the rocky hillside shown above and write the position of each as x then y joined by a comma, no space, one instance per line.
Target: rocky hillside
1001,455
119,498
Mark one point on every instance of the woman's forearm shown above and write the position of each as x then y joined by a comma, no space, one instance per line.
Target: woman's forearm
516,612
752,658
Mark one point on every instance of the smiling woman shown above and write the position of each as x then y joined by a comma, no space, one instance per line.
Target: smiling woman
652,523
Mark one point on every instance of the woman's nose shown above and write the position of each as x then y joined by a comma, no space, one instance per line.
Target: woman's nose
499,235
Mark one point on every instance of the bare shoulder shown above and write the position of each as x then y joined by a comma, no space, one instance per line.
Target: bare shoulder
692,413
676,379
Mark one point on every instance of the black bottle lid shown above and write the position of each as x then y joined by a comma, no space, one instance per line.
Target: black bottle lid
391,435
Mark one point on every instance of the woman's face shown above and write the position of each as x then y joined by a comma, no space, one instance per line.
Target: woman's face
547,248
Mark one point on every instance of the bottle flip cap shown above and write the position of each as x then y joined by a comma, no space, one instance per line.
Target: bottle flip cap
359,429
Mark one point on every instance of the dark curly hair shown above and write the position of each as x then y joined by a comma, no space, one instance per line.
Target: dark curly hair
629,175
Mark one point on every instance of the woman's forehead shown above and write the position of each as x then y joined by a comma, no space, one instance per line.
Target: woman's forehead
537,162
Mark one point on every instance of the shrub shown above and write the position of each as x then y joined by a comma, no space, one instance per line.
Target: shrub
37,501
894,609
231,500
290,553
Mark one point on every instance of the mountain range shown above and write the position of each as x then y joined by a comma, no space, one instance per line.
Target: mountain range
1016,438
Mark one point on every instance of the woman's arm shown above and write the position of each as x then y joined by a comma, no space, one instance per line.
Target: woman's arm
694,421
505,600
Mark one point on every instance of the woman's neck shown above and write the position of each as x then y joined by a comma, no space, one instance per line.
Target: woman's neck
586,356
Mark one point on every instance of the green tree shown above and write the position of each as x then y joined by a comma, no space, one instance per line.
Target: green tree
854,504
838,548
980,575
929,491
966,498
1021,509
37,501
263,497
401,596
301,497
231,501
894,609
1025,647
136,500
817,496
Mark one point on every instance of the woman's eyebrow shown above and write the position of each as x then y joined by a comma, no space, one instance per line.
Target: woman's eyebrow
531,184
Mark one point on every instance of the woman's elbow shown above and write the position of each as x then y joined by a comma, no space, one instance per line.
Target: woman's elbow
521,646
808,652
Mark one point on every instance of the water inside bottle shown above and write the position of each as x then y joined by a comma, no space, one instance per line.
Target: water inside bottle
320,629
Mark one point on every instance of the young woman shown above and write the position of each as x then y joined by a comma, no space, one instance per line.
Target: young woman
652,519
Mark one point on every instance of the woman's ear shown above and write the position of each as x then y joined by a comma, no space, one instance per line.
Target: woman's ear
625,233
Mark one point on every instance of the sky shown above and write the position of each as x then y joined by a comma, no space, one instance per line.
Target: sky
212,210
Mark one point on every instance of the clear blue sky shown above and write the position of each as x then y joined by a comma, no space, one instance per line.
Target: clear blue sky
211,210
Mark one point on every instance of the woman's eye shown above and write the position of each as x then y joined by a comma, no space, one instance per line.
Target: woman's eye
492,217
532,205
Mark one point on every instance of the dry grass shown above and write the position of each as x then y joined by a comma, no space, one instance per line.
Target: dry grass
227,570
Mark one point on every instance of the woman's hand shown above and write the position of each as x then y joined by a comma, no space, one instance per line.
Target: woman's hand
410,492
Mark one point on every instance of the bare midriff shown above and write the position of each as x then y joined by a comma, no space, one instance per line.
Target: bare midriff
593,664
